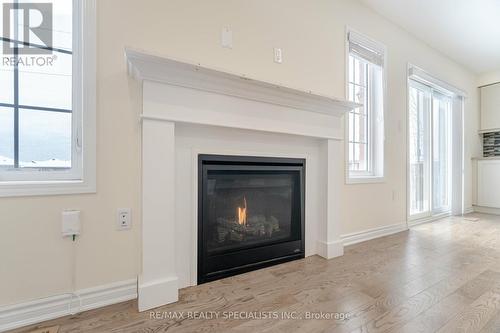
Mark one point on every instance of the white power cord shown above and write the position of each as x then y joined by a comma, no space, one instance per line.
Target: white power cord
73,292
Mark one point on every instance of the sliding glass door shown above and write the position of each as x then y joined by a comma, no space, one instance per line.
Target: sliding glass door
429,151
419,149
441,153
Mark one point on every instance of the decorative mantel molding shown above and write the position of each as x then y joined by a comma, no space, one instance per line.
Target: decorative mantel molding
146,66
176,92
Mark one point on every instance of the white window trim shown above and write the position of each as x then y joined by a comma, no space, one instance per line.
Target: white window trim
82,176
363,177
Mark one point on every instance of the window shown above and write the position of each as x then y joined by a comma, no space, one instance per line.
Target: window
365,124
47,101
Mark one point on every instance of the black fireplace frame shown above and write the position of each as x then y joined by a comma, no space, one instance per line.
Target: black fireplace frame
276,253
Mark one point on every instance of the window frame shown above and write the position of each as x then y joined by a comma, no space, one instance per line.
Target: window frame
369,140
375,159
81,177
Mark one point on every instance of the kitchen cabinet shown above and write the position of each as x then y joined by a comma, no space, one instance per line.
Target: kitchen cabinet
490,108
488,183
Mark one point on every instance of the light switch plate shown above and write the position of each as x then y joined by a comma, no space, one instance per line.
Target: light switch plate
227,38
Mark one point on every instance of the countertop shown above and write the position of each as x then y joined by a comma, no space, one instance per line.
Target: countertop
486,158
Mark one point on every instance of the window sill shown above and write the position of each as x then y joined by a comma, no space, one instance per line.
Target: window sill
364,179
42,188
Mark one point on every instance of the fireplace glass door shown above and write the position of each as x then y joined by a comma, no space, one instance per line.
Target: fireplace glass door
251,212
249,208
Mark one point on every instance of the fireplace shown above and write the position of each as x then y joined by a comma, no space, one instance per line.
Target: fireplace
250,213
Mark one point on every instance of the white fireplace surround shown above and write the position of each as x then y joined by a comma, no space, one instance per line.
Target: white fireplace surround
188,109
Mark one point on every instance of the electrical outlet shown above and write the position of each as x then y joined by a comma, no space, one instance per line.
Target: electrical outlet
278,55
71,224
124,221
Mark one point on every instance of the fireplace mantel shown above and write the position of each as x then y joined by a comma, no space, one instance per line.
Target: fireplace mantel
146,66
177,94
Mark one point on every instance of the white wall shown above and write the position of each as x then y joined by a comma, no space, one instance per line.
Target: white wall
35,259
488,78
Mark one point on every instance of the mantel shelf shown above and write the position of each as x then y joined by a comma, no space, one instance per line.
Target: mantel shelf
147,66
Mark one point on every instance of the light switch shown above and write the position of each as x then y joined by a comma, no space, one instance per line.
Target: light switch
227,38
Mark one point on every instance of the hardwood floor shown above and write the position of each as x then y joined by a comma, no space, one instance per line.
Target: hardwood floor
438,277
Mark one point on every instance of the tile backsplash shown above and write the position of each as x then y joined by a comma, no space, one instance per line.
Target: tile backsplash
491,144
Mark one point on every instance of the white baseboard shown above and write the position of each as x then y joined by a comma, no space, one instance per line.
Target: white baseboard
32,312
486,210
153,294
469,210
329,250
414,223
358,237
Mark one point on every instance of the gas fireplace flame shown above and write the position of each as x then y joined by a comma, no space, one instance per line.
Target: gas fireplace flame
242,213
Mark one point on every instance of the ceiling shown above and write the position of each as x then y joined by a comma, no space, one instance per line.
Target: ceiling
467,31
